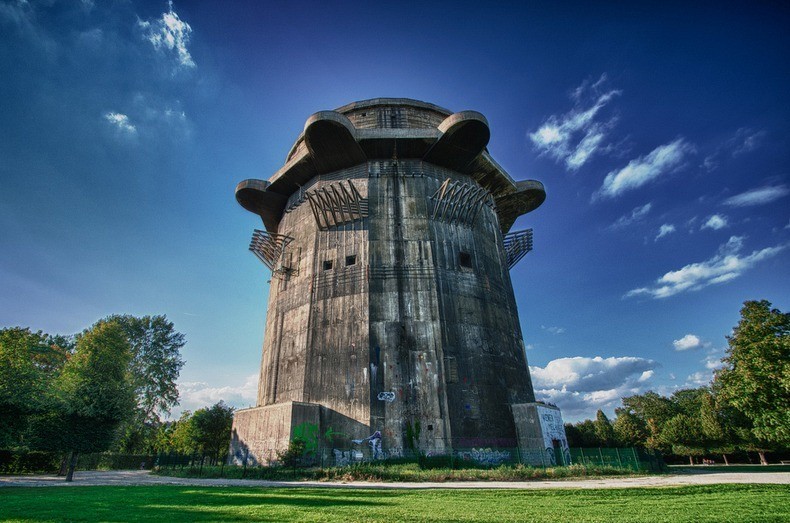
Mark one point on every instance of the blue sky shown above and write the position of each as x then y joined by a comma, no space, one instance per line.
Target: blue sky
661,134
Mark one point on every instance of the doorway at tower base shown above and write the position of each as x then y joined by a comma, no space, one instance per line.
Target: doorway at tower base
541,435
259,434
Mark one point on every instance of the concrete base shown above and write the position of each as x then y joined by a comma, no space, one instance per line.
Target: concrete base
541,434
260,433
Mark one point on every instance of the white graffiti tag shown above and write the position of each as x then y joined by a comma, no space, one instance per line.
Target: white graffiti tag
389,397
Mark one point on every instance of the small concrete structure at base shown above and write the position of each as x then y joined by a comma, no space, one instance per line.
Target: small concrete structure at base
539,426
261,433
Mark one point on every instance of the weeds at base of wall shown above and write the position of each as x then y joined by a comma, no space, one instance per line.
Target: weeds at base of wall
398,472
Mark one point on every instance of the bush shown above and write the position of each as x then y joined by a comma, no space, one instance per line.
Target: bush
28,461
294,455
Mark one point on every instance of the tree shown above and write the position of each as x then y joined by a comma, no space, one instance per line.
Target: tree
154,369
90,397
684,435
688,401
21,382
181,437
654,410
573,435
584,434
756,378
629,430
212,427
155,363
603,429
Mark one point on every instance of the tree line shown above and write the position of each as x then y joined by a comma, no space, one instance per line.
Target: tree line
745,408
106,388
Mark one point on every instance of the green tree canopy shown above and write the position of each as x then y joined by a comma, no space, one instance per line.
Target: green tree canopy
683,434
212,427
22,382
755,380
155,362
90,396
603,429
629,430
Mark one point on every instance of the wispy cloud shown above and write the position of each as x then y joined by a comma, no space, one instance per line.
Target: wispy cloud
576,136
744,141
687,342
727,264
170,34
121,122
664,230
581,385
715,222
553,330
638,172
758,196
636,215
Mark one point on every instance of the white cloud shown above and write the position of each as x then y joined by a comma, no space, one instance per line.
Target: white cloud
744,141
698,379
637,214
576,136
121,122
687,342
170,34
715,222
646,376
197,394
581,385
584,374
759,196
727,264
664,230
553,330
644,169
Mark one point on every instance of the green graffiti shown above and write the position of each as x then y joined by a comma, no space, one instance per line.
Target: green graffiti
308,432
331,434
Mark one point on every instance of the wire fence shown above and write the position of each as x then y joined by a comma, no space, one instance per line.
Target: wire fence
631,458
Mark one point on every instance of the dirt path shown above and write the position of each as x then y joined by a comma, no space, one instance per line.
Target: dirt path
142,477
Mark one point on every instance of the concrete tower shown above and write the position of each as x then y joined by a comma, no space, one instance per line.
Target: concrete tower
392,325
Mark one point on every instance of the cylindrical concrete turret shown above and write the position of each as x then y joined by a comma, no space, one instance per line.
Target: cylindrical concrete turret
391,309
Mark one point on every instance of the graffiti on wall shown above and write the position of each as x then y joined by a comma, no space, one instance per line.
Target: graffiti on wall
486,456
346,457
309,433
374,440
389,397
554,434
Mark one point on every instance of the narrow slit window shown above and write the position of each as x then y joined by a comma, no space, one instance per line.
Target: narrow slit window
465,259
351,260
327,265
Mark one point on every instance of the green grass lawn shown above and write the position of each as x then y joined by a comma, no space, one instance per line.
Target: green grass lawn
715,503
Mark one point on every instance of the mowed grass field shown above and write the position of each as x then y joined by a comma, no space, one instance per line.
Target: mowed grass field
714,503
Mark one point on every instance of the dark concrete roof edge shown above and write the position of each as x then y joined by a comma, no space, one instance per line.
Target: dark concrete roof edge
378,102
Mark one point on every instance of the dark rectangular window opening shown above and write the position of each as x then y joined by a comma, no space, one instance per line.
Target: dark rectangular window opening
327,265
351,260
465,259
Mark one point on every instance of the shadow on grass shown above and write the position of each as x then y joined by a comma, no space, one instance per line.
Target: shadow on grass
176,503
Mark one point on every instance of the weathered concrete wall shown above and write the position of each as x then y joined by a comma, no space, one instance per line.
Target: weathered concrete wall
541,434
259,433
